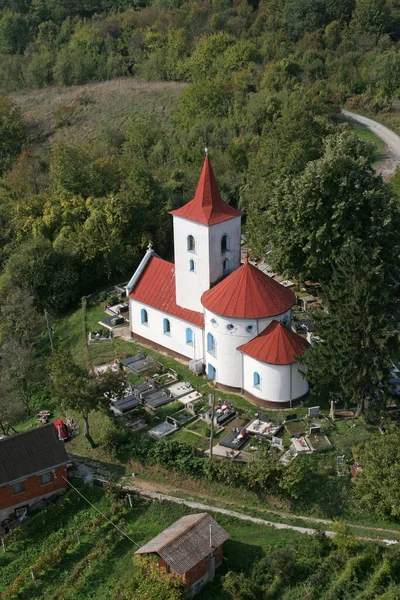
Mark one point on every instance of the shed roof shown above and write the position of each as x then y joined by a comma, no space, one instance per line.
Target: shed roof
207,206
186,542
276,345
248,293
30,452
156,288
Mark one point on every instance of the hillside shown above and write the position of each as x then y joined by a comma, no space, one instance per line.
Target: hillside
83,113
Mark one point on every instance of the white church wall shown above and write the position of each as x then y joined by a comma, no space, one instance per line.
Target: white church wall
229,334
191,285
232,228
207,258
154,330
278,383
299,383
285,318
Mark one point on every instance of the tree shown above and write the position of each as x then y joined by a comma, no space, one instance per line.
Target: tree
371,17
49,275
75,389
337,198
14,33
20,372
150,582
262,472
352,361
206,58
11,133
293,137
378,482
19,317
11,411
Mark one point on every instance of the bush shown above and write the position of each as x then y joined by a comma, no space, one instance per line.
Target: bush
63,116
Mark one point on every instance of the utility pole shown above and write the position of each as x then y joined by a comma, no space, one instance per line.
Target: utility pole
211,400
46,314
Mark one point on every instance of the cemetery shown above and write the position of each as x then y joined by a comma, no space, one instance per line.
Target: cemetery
304,430
234,436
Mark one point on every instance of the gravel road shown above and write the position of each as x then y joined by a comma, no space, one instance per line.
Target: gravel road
391,139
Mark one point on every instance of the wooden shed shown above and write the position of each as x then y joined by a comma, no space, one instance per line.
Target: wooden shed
191,549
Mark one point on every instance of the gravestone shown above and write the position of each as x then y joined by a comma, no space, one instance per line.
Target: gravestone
276,442
340,461
313,412
315,430
292,417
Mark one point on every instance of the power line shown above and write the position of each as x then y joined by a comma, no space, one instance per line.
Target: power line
100,513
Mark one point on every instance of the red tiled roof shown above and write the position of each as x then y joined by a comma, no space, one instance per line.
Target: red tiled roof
276,345
156,288
248,293
207,206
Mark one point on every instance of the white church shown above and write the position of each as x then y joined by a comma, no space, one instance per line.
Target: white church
226,317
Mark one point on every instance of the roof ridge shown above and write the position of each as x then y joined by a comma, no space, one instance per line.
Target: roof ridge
186,531
21,433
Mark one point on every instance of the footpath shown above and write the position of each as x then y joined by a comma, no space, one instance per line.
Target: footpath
90,470
146,489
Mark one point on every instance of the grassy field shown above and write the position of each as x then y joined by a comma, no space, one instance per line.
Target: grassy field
96,109
98,558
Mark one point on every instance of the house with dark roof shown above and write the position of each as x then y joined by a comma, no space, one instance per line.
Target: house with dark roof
191,549
228,317
33,466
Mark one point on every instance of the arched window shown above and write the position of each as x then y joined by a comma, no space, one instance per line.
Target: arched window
211,372
191,244
225,265
256,380
167,327
191,266
144,317
189,336
225,243
211,347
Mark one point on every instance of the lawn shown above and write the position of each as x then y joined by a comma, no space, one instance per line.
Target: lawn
99,109
98,559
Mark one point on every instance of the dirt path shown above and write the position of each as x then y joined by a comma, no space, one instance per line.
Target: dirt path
141,487
160,490
89,470
391,139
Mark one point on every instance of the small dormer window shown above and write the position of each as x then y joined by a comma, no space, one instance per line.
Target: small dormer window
191,244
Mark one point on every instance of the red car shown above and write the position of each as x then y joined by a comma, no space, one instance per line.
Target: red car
62,430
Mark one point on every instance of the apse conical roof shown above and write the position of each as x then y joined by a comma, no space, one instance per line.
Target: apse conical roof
276,345
248,293
207,206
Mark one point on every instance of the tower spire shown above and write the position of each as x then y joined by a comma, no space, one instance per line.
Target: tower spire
207,206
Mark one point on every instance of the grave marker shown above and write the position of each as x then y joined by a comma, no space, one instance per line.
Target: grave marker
313,412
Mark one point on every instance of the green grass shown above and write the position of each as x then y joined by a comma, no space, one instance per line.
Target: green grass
344,436
192,439
71,516
112,105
